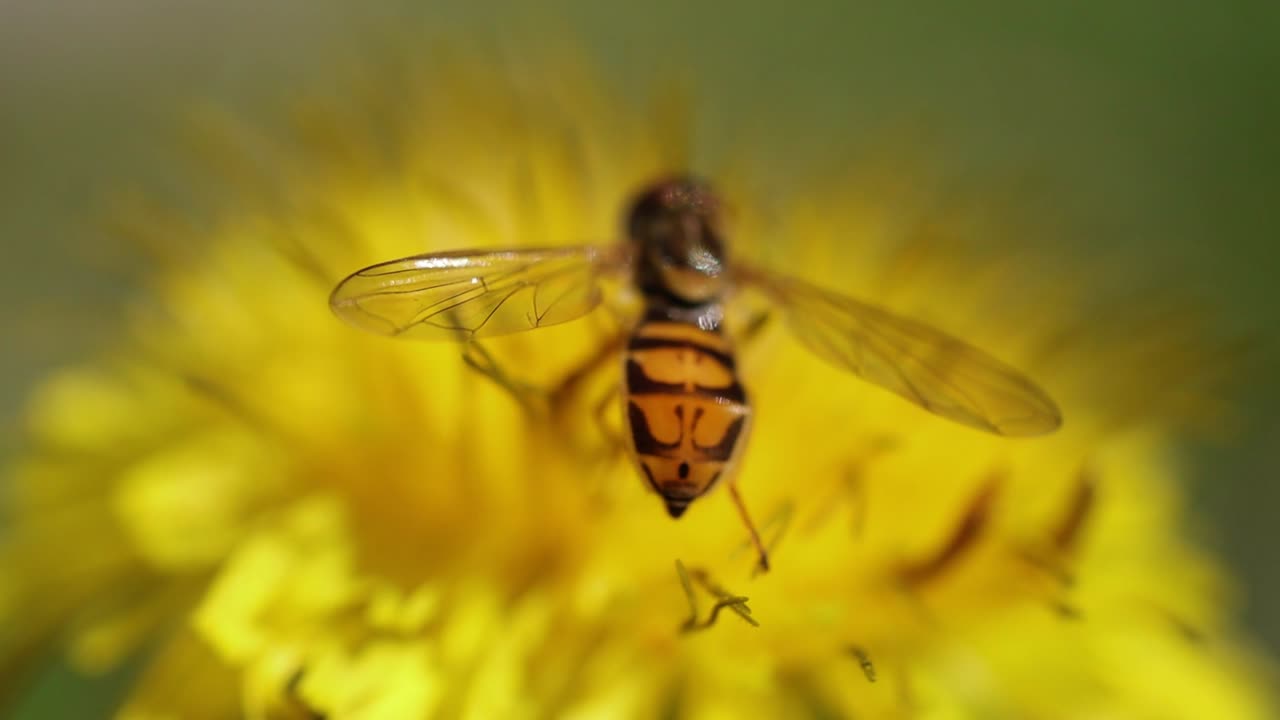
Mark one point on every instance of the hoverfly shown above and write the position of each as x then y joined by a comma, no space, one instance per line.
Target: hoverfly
687,413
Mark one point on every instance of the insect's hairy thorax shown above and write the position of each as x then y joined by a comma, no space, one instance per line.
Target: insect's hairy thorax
675,229
693,279
687,412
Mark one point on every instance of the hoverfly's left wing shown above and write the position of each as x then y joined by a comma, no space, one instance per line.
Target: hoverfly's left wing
940,373
469,294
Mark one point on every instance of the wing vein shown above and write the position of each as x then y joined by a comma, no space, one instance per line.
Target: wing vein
936,371
436,297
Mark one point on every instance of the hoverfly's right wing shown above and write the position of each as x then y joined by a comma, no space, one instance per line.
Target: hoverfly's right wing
940,373
469,294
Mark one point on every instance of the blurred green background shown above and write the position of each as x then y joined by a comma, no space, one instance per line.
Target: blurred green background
1153,123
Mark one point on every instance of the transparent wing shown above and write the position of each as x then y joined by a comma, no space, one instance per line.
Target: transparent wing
940,373
474,293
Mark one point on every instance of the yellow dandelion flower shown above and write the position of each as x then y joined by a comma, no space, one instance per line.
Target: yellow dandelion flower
287,518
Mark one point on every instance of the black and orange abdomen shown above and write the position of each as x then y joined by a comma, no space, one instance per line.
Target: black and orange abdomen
687,414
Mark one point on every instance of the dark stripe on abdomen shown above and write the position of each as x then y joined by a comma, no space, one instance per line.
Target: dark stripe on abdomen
723,450
645,442
662,343
640,384
647,445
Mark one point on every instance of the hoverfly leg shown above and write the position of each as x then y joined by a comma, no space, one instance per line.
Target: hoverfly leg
568,386
482,361
763,565
755,326
616,441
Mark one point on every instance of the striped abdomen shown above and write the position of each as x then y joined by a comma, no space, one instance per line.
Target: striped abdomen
687,414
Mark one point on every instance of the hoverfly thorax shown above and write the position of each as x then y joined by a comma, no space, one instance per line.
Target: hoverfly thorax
675,228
